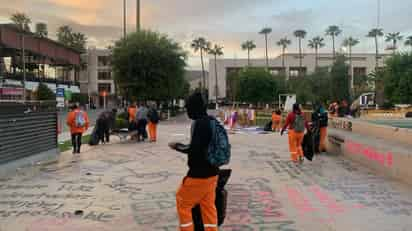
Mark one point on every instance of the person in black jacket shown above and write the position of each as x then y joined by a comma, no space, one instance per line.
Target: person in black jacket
199,185
105,122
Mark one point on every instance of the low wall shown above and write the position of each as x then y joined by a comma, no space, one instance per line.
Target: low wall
380,148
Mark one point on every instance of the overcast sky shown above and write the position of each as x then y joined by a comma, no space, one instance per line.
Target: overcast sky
226,22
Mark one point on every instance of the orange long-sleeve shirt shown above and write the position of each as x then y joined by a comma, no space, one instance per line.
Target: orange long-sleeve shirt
71,122
290,120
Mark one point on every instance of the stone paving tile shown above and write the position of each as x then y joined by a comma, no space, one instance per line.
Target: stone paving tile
129,186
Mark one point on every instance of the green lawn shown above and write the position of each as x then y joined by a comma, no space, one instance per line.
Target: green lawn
67,145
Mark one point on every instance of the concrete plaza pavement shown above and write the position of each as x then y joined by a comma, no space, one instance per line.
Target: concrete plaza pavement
129,186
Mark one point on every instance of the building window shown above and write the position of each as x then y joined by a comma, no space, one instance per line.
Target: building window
104,75
103,61
294,73
275,72
359,71
107,87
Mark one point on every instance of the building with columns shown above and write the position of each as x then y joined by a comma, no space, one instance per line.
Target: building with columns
362,64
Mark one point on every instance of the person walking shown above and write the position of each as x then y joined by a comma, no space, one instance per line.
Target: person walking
296,124
199,185
320,125
141,118
78,121
153,117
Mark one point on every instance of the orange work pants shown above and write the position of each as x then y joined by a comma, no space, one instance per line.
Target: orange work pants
152,131
195,191
276,125
295,144
323,135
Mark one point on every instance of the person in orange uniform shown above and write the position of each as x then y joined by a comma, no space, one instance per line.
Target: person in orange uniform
132,117
199,185
276,120
78,121
296,124
153,117
320,124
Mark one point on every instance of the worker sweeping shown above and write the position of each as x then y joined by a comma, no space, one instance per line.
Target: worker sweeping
296,124
276,120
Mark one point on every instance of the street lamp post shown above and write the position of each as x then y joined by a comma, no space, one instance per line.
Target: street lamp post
24,67
124,19
137,15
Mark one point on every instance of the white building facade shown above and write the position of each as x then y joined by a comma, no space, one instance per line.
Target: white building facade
362,64
97,79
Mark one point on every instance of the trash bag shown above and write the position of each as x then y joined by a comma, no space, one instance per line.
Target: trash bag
94,137
307,145
316,139
220,202
268,127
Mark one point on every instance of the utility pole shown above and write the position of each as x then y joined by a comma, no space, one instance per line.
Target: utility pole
137,15
24,66
124,19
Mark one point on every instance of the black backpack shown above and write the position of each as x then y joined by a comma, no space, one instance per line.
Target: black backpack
153,116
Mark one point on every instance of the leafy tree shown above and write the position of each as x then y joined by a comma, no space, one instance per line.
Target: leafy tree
394,38
333,31
41,30
22,21
44,93
233,85
316,43
202,45
300,34
339,79
257,85
266,31
248,46
216,51
397,79
408,41
149,66
376,33
284,43
75,40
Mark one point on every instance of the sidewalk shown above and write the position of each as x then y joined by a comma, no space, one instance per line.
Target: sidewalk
65,136
131,186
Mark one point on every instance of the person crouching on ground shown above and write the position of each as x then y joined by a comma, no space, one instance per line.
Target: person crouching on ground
105,122
78,121
296,124
199,186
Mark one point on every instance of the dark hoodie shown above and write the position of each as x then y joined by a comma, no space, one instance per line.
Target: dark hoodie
201,136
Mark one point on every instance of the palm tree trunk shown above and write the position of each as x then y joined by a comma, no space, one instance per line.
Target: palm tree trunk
267,58
333,47
283,58
248,57
203,72
394,47
317,58
352,78
216,84
300,56
377,54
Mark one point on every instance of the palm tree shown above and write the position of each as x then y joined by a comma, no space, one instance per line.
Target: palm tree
248,45
349,43
300,34
394,38
284,43
41,30
408,41
202,45
22,21
316,43
375,33
216,50
333,31
265,31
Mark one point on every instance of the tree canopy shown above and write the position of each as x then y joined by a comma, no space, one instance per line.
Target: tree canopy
149,66
397,79
44,93
75,40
